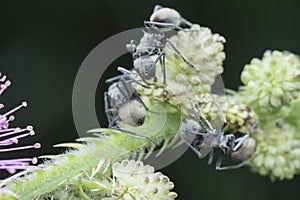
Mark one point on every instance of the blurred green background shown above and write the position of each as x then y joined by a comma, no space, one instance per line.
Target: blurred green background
43,43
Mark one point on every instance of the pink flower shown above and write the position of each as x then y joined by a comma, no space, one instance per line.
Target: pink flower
10,136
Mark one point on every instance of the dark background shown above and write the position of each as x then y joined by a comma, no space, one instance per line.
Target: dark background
43,43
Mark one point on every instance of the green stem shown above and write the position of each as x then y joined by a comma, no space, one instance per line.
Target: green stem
112,147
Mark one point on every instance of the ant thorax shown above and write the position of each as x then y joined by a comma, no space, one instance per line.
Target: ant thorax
213,139
117,99
149,44
122,103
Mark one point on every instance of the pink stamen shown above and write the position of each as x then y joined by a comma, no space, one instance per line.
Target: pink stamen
8,142
9,130
11,136
14,131
3,78
23,104
12,169
23,135
4,86
35,146
19,160
4,121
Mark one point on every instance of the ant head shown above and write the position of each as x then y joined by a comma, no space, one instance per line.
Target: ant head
227,143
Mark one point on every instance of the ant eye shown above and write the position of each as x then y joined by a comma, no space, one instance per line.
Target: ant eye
141,121
194,128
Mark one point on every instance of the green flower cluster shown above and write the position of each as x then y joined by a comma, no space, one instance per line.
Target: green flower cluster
135,181
272,81
271,90
239,117
131,180
200,48
277,153
203,49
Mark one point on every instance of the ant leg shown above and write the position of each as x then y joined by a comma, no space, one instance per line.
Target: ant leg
198,118
196,151
203,118
197,133
138,98
223,118
201,152
143,79
111,118
186,22
240,141
135,134
107,109
112,79
124,73
123,70
157,25
219,163
163,67
161,59
127,72
237,166
207,126
137,82
132,47
191,139
211,157
132,94
129,90
127,75
162,25
179,53
112,123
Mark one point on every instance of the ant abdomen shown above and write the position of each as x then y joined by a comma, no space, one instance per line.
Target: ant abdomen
245,151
